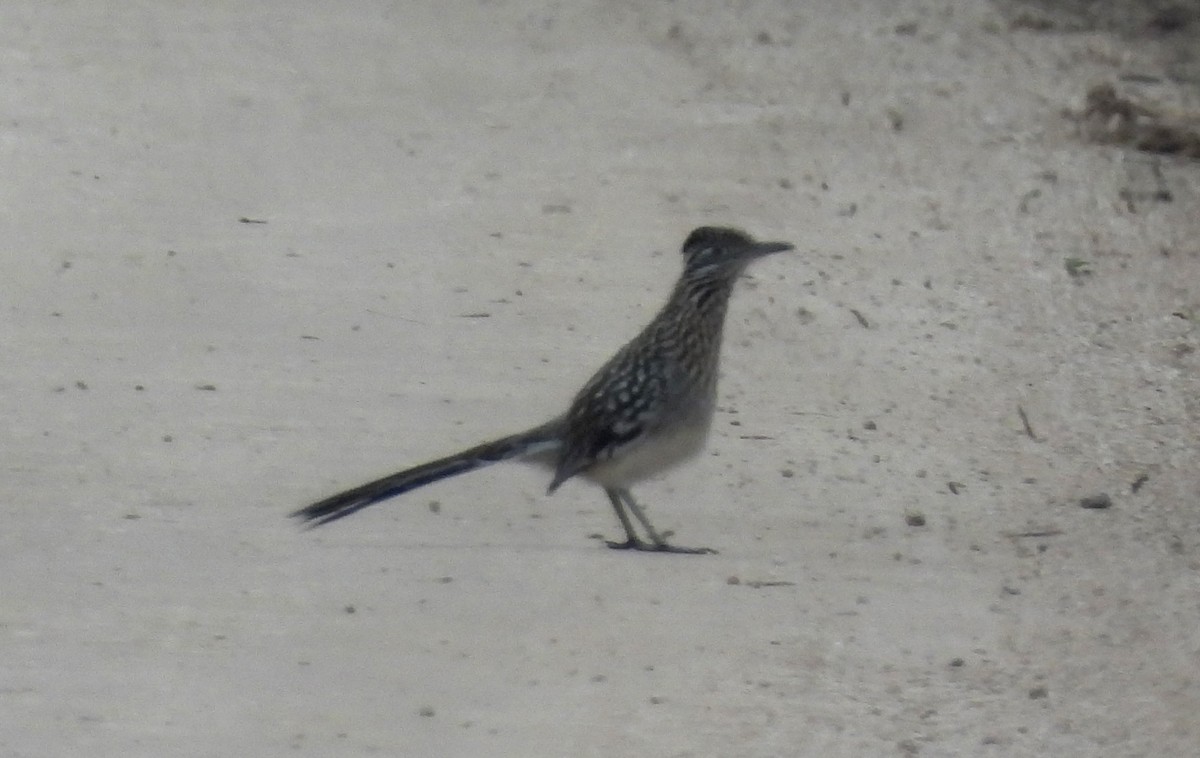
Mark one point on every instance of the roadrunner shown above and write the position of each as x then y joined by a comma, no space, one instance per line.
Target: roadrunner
648,409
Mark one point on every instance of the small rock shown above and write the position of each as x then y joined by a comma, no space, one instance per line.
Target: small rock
1096,502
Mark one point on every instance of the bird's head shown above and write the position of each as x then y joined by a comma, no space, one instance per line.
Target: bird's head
723,251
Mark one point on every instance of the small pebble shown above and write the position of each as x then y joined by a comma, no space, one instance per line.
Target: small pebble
1096,502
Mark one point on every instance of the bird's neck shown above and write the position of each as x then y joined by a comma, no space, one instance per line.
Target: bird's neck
704,298
690,326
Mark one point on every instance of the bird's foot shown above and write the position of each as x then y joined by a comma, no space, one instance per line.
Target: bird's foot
658,547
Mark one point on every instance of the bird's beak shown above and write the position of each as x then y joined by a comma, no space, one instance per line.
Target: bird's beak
759,249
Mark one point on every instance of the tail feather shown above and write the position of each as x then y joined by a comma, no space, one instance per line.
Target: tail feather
532,443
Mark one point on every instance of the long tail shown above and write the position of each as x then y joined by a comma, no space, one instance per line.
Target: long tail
540,440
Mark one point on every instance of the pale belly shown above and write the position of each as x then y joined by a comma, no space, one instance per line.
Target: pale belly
651,457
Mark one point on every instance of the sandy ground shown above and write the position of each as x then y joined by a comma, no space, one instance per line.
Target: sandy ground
254,253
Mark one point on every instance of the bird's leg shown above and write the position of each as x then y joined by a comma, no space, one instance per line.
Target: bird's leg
632,540
622,499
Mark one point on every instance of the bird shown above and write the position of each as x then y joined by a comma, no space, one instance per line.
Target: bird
647,409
